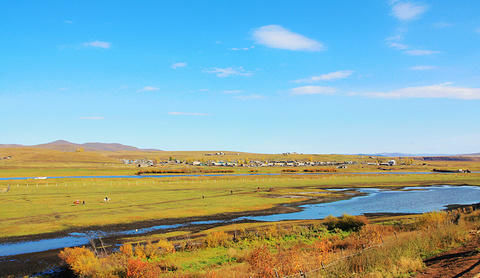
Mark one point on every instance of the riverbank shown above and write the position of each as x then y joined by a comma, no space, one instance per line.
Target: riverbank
143,231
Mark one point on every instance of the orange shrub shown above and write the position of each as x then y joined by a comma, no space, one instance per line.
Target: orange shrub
137,268
261,262
127,249
81,260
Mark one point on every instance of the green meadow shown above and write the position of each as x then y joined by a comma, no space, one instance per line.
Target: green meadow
42,206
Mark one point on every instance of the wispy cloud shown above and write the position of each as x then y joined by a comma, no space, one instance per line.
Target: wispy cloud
68,21
98,44
275,36
187,114
421,52
477,30
397,45
231,92
249,97
442,25
408,10
242,48
312,90
178,65
148,89
326,77
93,118
422,68
444,90
395,42
225,72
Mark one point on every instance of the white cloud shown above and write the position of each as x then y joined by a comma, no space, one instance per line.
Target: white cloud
275,36
178,65
312,90
397,45
187,114
423,67
230,92
225,72
444,90
148,89
249,97
408,10
242,48
326,77
98,44
421,52
93,118
397,37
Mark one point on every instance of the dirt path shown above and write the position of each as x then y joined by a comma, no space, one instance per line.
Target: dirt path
462,262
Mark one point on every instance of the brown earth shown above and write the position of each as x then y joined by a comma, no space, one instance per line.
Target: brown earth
463,261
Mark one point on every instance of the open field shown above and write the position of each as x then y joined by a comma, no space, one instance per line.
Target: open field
31,162
42,206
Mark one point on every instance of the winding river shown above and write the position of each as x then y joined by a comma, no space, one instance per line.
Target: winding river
375,200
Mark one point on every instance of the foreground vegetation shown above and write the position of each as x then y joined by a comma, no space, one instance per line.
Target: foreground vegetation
335,247
41,206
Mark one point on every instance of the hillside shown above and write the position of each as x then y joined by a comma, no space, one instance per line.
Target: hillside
66,146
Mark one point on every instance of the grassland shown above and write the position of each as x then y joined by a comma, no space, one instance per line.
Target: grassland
335,247
44,206
31,209
31,162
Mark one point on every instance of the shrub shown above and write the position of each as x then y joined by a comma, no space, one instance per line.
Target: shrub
127,249
289,170
346,222
165,246
217,239
138,268
261,262
317,170
81,260
432,219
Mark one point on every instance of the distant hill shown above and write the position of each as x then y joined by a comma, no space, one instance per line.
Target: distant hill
66,146
403,154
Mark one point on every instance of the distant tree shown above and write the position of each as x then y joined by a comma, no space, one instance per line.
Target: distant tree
79,150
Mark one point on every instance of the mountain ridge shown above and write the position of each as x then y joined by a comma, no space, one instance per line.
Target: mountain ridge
66,146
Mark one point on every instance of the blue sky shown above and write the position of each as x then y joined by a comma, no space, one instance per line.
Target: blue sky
258,76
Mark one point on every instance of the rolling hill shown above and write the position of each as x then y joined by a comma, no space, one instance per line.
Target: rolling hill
66,146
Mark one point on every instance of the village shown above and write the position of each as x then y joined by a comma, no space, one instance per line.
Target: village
250,163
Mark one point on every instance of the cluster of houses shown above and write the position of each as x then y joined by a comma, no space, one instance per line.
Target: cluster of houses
139,162
238,163
217,153
388,163
5,157
246,163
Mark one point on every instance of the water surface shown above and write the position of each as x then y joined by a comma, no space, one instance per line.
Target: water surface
407,200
